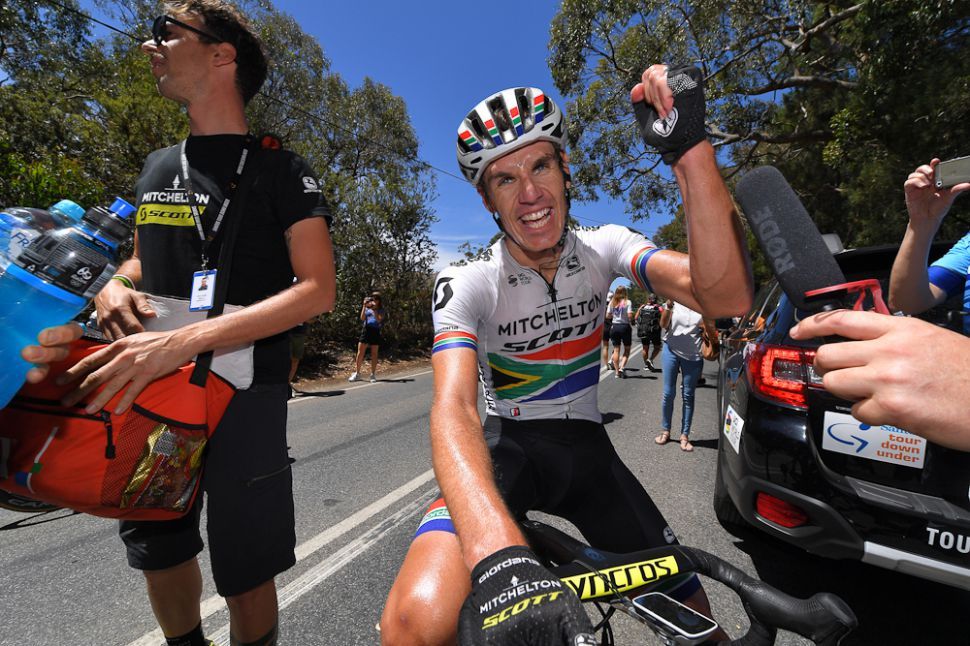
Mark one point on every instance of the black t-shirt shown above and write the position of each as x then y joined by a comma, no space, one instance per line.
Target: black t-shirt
284,192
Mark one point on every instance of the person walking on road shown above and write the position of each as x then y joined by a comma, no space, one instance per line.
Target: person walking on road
372,319
621,332
681,354
647,320
605,352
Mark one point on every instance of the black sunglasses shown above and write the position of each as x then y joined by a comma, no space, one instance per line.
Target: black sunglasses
160,30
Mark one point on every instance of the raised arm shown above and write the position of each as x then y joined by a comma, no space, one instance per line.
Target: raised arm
910,289
714,278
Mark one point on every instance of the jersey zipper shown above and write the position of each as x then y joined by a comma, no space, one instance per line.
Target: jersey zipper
554,300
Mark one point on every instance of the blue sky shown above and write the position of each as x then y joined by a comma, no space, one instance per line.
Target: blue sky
443,57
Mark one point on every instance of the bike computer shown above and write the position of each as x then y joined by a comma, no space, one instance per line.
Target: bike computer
674,620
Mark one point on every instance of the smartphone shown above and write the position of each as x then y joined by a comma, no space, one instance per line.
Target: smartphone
953,172
673,618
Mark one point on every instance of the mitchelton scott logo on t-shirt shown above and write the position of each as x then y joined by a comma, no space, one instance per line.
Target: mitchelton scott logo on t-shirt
169,206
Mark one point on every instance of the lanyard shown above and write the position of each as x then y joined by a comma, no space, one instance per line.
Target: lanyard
230,191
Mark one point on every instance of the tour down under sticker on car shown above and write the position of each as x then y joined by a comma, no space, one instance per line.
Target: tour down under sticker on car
845,434
733,424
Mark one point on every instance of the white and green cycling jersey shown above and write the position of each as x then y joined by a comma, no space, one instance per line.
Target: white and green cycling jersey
538,344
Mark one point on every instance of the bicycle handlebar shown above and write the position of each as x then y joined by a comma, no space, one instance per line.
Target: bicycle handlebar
824,618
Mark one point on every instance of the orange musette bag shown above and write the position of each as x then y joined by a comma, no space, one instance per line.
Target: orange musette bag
145,464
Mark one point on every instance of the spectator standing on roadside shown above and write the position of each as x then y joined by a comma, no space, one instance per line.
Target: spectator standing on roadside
681,353
648,330
621,332
372,319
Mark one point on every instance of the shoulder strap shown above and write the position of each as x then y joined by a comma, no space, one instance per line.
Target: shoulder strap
204,361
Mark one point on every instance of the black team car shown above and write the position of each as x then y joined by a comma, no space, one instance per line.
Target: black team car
793,462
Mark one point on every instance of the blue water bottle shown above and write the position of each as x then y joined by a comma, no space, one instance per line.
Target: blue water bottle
19,226
52,279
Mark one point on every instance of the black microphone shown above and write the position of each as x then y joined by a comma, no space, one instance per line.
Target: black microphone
788,237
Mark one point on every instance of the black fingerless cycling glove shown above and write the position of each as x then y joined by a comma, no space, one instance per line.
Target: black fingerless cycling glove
516,601
684,125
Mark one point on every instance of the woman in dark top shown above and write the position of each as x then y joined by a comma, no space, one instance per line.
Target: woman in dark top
372,317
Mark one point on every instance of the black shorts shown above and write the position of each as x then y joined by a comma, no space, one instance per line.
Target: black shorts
570,469
606,331
621,333
651,338
248,489
370,335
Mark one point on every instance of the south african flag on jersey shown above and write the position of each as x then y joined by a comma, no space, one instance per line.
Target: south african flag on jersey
552,372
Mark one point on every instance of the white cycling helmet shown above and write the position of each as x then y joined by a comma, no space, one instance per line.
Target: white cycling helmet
503,123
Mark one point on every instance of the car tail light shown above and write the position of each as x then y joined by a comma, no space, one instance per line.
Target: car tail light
779,512
782,373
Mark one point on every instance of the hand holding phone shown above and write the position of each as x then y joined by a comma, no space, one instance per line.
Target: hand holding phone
952,172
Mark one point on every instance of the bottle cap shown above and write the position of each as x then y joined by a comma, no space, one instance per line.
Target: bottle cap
71,209
121,208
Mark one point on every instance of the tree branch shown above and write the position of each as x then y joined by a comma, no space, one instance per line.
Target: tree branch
825,24
802,81
727,138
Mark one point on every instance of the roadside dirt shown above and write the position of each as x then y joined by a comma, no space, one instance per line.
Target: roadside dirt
340,365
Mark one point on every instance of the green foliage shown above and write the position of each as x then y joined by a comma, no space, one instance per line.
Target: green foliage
79,115
845,98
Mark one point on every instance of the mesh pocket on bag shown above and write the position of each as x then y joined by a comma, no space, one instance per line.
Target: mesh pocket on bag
157,465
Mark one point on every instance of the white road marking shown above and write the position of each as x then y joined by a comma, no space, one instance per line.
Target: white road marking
323,570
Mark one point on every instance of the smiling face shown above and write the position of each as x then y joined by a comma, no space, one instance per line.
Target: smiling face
528,190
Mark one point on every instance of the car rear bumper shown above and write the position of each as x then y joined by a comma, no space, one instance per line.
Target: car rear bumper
921,566
827,533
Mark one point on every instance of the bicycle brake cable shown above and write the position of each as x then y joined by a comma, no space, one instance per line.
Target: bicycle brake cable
620,601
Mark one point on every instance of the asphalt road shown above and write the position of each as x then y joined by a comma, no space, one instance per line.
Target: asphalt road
362,480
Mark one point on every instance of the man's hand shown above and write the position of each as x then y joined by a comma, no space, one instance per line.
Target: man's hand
516,601
133,362
120,310
670,109
900,371
54,346
927,205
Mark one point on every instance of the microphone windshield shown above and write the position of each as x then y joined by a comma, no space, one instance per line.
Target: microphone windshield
787,235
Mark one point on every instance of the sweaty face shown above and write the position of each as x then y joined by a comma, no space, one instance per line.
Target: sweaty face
528,189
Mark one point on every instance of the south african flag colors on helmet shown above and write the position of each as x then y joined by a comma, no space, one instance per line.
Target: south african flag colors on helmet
503,123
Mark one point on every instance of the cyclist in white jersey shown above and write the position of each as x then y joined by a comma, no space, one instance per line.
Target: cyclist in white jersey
526,319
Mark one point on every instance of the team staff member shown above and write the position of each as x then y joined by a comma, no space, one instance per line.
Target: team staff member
205,56
544,435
